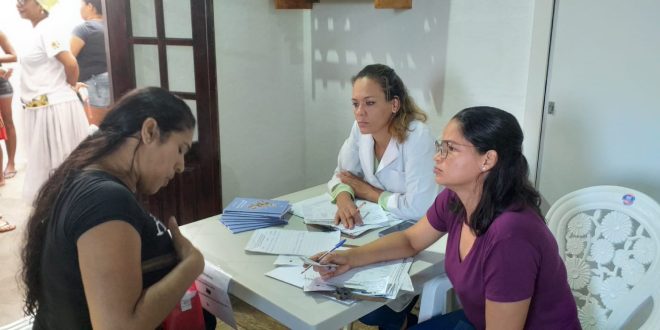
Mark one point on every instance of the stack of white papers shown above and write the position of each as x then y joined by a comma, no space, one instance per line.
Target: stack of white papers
244,214
383,279
320,211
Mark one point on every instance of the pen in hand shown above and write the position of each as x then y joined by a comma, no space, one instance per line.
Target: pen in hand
326,253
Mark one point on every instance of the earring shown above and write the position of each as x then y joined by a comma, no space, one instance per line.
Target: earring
483,168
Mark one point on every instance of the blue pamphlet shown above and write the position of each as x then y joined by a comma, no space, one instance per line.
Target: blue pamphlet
264,207
244,214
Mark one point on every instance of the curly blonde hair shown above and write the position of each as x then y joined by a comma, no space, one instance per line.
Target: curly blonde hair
393,86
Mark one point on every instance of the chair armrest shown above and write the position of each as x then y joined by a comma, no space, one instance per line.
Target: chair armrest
434,296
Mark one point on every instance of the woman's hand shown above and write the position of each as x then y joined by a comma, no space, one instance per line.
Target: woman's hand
339,258
361,188
6,74
347,213
184,249
79,85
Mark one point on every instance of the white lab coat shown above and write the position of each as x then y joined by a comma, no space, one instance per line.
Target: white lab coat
405,170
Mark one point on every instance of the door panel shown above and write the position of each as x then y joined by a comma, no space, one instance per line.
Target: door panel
180,66
147,71
604,80
178,22
169,43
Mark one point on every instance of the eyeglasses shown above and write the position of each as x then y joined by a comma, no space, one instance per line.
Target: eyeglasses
444,147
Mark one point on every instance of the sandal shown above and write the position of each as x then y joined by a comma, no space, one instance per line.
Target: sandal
5,226
9,174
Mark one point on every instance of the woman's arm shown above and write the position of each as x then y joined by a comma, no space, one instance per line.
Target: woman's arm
393,246
110,265
76,45
10,53
348,160
509,315
362,189
70,66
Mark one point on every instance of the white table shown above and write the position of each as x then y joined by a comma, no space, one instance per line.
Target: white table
286,303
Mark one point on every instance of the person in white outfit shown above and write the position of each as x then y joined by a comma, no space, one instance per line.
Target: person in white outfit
388,156
54,116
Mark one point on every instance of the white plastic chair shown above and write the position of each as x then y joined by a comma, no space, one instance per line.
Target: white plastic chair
609,239
433,300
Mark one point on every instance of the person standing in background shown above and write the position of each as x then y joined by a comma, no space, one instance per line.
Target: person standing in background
6,94
88,46
54,117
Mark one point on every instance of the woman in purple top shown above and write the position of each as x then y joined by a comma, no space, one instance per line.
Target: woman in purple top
501,257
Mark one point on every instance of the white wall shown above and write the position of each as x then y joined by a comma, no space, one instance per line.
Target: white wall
450,54
260,84
284,76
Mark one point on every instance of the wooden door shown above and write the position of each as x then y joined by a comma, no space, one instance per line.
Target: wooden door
170,43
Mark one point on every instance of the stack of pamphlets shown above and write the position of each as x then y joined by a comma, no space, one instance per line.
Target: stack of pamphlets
244,214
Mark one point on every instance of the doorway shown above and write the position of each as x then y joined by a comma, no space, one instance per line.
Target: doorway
170,44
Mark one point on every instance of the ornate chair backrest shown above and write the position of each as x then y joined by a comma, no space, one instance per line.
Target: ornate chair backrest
609,238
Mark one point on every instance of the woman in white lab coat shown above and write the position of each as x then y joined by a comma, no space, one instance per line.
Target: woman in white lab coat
388,156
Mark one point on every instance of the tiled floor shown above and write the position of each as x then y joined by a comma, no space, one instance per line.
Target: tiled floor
14,210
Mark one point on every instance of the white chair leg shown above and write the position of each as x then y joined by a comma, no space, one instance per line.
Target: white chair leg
434,295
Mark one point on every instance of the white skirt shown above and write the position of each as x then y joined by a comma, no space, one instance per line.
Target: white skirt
52,132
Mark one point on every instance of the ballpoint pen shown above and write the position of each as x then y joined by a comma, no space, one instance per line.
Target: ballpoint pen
326,253
360,207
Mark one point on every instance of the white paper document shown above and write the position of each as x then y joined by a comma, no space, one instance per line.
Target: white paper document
292,275
213,286
289,274
287,260
383,279
291,242
320,211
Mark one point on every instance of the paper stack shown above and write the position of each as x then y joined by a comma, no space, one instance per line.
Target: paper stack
320,211
244,214
383,279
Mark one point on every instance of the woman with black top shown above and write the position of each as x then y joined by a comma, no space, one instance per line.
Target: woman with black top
93,257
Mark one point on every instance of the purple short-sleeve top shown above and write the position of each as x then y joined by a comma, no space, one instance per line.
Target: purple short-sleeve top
515,259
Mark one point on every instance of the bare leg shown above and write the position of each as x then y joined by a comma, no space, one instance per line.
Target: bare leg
2,177
5,111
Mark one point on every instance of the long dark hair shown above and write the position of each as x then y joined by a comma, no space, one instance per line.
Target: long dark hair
393,87
122,122
507,184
